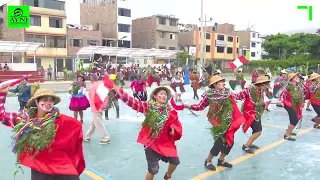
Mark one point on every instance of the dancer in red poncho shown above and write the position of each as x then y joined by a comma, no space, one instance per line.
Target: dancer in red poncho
314,92
160,129
45,140
253,107
292,98
225,117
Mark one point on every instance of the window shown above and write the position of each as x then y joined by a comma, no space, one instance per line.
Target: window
237,39
253,44
124,43
55,22
229,50
34,38
220,49
208,35
258,35
237,50
56,41
207,48
1,8
220,37
69,64
230,39
124,12
50,4
253,54
172,36
172,48
124,28
162,47
253,35
93,43
76,42
173,22
162,35
162,20
35,20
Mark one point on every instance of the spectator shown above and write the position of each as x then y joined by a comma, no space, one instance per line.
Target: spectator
6,67
49,72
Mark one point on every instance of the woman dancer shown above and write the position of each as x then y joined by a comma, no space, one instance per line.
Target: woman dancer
253,108
314,89
160,130
138,87
79,102
225,117
177,85
292,98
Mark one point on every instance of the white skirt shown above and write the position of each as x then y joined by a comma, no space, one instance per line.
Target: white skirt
178,90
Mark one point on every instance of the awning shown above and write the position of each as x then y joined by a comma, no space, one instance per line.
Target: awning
15,46
125,52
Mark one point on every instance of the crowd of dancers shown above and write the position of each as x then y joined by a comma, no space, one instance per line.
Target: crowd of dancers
50,143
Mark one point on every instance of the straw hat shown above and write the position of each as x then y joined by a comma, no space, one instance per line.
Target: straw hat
291,75
215,79
41,93
262,79
156,90
314,76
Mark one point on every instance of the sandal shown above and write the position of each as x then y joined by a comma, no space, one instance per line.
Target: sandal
224,164
289,138
308,109
166,177
209,165
248,149
293,134
254,146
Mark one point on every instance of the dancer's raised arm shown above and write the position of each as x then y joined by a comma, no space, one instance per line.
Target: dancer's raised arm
7,118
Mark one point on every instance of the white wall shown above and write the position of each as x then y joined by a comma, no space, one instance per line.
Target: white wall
258,48
23,66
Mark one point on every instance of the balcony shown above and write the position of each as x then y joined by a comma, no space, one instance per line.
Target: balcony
46,11
167,28
50,52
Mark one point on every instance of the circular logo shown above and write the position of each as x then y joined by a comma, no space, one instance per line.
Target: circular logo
18,12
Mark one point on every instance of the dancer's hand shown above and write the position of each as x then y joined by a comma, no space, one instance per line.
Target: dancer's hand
172,132
4,88
187,106
280,103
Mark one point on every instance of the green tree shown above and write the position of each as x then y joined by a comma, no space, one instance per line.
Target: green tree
183,56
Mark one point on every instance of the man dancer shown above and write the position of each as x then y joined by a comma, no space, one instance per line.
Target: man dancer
23,91
96,122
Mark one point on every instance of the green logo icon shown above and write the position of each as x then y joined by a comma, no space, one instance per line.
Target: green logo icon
309,8
18,16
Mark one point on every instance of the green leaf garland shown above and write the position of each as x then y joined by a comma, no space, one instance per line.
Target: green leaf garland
296,95
156,116
258,102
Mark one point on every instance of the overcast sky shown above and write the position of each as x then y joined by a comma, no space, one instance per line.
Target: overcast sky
266,16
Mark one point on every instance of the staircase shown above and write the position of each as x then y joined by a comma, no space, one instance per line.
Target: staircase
9,75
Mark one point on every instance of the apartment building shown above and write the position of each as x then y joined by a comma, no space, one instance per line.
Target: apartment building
1,21
48,26
81,36
158,31
219,48
251,44
111,17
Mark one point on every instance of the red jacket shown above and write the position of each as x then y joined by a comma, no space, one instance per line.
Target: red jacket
165,143
65,155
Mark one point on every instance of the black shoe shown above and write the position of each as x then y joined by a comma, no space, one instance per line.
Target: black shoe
209,166
289,138
224,164
166,177
293,134
106,118
313,120
254,146
308,109
247,149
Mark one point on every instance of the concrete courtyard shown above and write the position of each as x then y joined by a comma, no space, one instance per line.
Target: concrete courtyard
124,159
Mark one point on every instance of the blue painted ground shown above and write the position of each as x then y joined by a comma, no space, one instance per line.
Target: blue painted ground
124,159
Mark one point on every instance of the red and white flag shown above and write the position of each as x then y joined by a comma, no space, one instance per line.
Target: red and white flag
13,82
101,97
237,63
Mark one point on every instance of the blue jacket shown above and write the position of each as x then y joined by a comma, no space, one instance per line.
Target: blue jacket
25,95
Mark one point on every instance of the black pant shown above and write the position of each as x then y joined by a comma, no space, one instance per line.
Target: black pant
22,105
116,104
36,175
256,126
220,146
292,115
195,94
